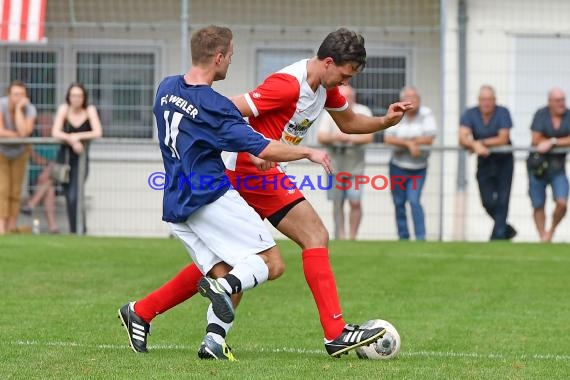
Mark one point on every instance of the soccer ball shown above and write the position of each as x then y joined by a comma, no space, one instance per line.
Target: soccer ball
384,348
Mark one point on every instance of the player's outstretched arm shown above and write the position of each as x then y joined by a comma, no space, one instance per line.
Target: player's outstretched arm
277,151
262,164
350,122
241,104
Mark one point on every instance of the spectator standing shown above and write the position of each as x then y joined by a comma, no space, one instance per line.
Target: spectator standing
17,120
76,123
347,152
488,125
416,128
550,128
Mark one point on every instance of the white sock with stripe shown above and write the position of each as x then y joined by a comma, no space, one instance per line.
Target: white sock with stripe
213,320
250,272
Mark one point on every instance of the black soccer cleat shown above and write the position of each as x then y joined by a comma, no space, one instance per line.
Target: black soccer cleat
212,350
353,336
221,301
137,328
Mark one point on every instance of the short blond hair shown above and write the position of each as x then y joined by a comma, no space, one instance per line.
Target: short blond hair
208,42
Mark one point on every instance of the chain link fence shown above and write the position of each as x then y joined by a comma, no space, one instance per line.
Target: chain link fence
447,49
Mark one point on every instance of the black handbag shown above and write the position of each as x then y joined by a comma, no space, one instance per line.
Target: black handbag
537,164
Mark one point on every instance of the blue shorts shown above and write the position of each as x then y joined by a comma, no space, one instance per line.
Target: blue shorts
537,188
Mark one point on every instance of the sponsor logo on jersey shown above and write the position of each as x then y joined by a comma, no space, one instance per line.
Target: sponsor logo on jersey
294,133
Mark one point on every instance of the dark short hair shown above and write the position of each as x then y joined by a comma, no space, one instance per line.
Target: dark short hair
209,41
17,83
344,46
82,88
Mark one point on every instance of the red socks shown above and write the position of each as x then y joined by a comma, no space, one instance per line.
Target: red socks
318,274
183,286
320,278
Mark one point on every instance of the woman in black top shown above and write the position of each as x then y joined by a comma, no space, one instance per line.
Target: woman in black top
76,123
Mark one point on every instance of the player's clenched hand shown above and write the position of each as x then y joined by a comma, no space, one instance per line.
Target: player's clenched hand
396,112
323,158
262,164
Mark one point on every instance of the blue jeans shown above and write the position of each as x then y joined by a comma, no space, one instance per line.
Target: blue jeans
410,192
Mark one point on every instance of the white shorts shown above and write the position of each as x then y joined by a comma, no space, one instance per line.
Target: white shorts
225,230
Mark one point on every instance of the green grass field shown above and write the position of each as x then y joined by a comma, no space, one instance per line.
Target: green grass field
475,311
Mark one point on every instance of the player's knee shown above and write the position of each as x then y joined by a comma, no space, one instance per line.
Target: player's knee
315,239
276,270
274,262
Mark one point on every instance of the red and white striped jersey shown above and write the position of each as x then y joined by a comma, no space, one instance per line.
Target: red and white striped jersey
22,20
285,106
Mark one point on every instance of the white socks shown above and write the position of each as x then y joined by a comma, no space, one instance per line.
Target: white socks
250,272
212,319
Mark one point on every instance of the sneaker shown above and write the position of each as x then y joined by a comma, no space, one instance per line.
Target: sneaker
137,328
210,349
221,301
510,232
353,336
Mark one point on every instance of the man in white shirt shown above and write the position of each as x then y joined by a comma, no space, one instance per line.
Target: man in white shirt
416,128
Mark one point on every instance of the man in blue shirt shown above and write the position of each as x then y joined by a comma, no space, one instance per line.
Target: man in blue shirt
550,128
482,127
216,225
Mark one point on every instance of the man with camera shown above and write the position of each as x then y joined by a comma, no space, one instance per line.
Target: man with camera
550,129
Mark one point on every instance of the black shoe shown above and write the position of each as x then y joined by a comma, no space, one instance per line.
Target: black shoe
353,336
26,210
210,349
510,232
137,328
221,301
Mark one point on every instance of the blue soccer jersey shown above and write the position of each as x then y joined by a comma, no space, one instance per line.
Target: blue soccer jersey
195,124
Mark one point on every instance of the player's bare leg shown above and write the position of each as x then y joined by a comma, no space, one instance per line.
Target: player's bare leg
303,225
